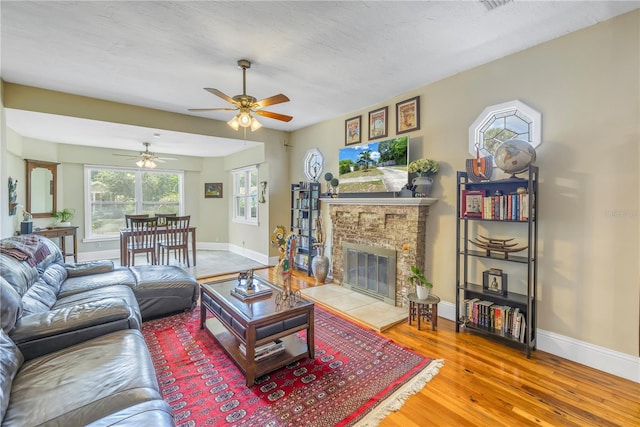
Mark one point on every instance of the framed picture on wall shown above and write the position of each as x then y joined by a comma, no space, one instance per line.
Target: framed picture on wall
378,123
352,128
213,190
408,115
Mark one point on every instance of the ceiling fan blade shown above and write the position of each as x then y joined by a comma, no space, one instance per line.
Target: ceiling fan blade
221,95
272,115
272,100
212,109
130,157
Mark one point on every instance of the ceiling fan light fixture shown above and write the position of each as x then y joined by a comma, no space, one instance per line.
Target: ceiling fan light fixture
234,123
255,125
146,163
244,118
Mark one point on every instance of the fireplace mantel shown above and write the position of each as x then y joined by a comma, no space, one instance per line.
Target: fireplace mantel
379,201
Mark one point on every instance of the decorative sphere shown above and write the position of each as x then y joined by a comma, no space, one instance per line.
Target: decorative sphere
514,156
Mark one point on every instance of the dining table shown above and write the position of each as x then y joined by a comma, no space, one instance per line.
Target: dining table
126,232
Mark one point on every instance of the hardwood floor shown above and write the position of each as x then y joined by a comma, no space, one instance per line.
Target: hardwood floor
485,383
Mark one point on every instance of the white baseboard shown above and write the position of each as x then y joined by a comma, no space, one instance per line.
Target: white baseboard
247,253
597,357
212,246
98,255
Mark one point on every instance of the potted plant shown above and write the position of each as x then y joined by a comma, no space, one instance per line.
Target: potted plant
64,217
425,169
423,286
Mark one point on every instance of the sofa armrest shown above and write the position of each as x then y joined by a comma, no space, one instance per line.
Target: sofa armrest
89,267
42,333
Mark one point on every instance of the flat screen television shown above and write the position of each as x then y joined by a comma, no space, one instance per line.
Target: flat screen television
376,168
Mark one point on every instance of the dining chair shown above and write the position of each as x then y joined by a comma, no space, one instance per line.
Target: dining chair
142,239
127,218
176,238
162,217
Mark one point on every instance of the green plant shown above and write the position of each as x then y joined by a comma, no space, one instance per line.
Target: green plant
417,278
64,215
424,167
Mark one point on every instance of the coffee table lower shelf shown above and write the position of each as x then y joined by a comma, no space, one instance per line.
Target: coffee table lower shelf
295,349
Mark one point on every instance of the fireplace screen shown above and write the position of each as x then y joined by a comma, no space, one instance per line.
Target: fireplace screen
371,271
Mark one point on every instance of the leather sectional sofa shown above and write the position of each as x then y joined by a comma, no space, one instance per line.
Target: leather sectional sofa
71,351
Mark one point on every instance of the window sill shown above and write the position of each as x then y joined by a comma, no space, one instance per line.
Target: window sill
245,221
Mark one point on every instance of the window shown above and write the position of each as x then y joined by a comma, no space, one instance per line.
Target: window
497,123
112,193
245,195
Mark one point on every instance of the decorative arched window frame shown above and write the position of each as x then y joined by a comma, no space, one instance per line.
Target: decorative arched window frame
515,118
313,164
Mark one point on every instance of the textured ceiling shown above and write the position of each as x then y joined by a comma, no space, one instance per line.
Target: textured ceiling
329,58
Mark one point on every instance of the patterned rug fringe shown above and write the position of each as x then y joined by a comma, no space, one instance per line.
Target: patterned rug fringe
394,402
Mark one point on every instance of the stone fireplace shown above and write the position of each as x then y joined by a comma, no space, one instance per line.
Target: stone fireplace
395,225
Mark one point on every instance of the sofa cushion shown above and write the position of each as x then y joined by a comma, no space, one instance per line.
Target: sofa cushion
154,413
89,267
84,383
38,298
36,279
96,295
10,306
54,275
163,289
76,284
10,361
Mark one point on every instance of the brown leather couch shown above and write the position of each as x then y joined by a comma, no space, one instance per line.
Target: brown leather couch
71,352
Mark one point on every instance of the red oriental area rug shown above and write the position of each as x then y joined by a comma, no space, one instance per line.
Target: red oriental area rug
356,378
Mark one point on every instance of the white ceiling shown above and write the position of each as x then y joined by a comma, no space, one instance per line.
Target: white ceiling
329,58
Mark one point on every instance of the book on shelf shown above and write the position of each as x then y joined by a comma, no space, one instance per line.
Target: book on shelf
500,319
506,207
471,203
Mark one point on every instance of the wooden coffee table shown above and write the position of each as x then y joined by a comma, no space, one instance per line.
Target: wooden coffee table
255,323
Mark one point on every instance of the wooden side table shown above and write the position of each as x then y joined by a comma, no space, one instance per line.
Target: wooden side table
61,233
426,309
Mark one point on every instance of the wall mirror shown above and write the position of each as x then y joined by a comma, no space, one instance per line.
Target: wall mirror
42,183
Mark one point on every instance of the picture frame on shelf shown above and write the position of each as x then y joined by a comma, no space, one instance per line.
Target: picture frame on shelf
472,203
408,115
213,190
378,124
352,130
494,281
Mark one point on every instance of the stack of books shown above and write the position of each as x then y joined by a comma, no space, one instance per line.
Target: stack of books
266,350
501,319
258,290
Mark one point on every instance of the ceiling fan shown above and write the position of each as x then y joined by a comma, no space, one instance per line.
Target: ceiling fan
247,104
146,159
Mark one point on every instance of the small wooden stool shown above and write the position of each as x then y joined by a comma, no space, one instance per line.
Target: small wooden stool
426,309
